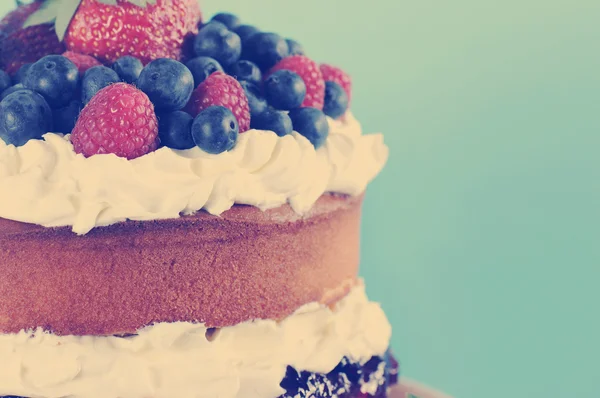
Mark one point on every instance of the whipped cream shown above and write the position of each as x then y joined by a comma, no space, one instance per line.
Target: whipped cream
168,360
45,182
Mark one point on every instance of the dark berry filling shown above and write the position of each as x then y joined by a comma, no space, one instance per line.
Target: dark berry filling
347,380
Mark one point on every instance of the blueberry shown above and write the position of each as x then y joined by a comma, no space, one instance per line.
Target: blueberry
285,90
336,100
95,79
246,70
295,47
255,100
11,90
55,77
128,68
265,49
227,19
203,67
168,83
65,118
24,115
273,120
216,41
312,124
175,130
245,31
21,73
5,81
215,130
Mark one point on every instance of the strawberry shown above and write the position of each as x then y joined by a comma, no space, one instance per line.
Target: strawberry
120,119
15,19
309,71
145,29
334,74
83,62
222,90
19,46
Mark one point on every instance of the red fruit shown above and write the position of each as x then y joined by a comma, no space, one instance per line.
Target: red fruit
21,46
224,90
120,119
15,19
83,62
109,32
309,71
334,74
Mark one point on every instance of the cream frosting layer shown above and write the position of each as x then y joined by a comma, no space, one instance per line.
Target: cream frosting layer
45,182
169,360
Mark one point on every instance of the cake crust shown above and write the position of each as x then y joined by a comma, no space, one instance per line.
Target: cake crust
245,264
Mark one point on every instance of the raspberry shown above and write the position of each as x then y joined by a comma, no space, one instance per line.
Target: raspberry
334,74
311,74
81,61
220,89
120,119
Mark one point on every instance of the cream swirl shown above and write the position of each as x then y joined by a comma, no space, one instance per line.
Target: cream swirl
167,360
45,182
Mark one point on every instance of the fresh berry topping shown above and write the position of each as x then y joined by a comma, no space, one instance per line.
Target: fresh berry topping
215,130
347,380
55,77
309,71
15,19
245,31
336,100
256,102
216,41
28,45
223,90
273,120
24,115
120,119
203,67
247,71
265,49
175,130
145,29
95,79
81,61
333,74
128,68
65,118
227,19
21,73
168,83
295,47
5,81
285,90
11,90
312,124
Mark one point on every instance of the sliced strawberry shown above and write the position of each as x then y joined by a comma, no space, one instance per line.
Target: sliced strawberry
28,45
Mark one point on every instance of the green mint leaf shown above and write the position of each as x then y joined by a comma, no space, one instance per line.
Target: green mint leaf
45,14
108,2
63,19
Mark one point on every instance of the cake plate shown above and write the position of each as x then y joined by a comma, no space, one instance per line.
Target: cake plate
412,389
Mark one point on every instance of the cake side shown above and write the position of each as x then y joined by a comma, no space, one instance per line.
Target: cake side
246,264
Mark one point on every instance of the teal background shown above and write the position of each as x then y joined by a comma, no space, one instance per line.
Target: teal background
480,237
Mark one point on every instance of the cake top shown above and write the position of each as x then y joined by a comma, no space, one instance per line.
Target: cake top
145,117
